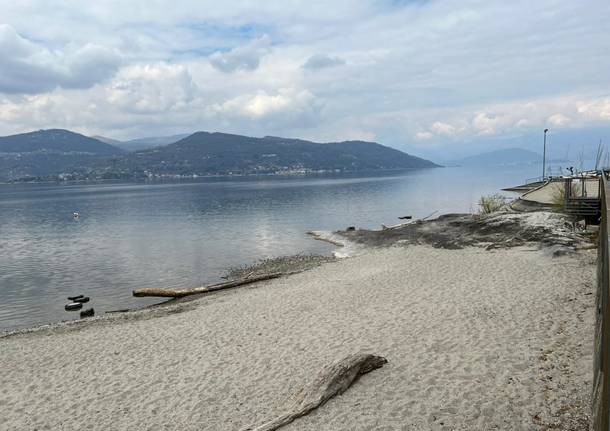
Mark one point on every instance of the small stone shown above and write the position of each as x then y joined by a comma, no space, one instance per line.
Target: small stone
89,312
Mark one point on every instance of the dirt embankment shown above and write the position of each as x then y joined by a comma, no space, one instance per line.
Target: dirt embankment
498,230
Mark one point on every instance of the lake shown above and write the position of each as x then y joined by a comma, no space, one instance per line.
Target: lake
185,234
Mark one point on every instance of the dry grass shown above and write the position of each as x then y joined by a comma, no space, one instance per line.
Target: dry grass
491,203
559,197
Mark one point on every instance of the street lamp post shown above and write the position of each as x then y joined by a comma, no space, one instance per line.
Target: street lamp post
544,156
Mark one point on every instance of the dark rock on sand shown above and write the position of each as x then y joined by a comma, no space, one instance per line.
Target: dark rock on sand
89,312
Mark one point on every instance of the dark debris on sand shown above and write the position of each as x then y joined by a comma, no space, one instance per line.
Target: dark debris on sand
497,230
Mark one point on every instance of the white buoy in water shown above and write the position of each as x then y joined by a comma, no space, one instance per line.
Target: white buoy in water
75,214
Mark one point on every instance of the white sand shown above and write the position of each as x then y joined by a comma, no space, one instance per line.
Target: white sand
475,340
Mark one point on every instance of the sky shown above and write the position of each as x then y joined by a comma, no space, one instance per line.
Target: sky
430,77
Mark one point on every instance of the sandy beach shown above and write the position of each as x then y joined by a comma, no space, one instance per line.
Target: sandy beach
475,338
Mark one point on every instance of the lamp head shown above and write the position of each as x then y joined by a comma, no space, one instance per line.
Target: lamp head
546,130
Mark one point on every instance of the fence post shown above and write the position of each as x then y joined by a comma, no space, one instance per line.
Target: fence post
601,368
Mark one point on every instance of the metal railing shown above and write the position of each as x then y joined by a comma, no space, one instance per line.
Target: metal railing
601,368
534,180
578,203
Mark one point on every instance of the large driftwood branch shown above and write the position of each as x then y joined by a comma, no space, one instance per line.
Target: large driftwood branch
179,293
332,380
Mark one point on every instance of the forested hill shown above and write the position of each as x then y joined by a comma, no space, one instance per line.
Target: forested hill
56,141
222,153
50,154
61,154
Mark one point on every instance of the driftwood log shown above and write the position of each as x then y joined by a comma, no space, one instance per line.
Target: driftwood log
332,380
179,293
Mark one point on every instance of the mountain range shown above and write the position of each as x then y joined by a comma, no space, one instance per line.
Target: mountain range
561,144
62,154
503,157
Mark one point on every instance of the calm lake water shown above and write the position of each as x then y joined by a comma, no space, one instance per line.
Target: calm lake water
185,234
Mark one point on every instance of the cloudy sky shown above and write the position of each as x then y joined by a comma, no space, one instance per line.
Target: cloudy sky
417,75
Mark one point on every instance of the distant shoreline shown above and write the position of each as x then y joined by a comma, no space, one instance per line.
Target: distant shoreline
202,177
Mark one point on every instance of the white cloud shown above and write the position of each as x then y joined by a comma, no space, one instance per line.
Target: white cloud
423,136
441,128
150,89
484,124
559,120
431,73
286,104
596,110
28,67
523,123
514,117
245,57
